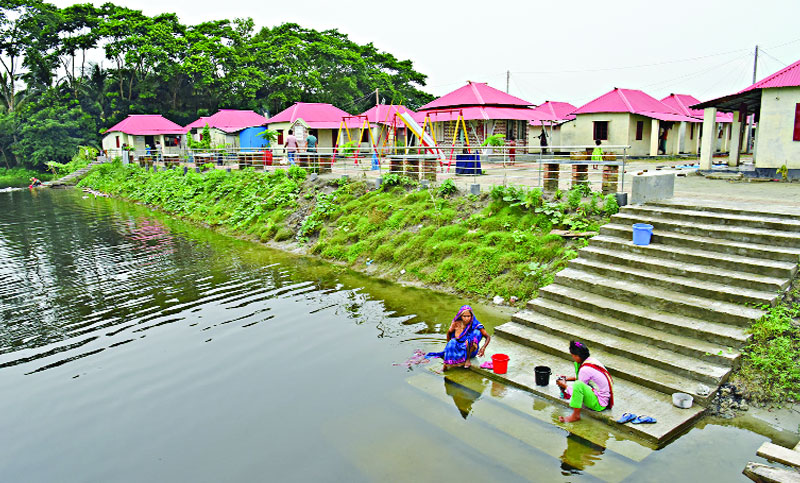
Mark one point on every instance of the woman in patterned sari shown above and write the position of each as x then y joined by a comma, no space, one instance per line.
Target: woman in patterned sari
463,340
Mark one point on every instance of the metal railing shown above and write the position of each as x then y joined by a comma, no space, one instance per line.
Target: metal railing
550,167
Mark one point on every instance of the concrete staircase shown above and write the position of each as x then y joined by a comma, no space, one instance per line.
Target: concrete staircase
75,176
667,317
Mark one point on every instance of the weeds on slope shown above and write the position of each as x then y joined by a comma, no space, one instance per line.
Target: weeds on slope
770,372
494,244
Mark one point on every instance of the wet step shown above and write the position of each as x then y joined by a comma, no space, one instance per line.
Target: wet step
522,444
557,298
659,298
750,209
714,218
718,290
733,233
628,395
623,229
621,367
546,413
542,311
769,270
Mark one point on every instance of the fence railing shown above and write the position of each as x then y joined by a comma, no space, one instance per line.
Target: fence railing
548,167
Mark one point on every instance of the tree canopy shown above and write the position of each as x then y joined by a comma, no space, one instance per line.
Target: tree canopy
56,91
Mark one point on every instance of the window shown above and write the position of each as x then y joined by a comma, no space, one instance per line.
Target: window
117,141
516,130
796,136
601,130
639,130
280,137
691,131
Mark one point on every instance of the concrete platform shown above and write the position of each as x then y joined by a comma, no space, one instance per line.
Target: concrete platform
629,397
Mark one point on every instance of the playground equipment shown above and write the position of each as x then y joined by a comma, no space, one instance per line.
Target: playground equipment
344,125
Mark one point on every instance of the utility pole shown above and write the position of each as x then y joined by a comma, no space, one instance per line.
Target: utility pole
750,140
377,99
508,80
755,64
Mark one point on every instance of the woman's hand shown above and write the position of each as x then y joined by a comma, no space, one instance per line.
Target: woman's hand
481,351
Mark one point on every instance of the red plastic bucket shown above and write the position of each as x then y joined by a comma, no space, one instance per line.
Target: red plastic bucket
500,363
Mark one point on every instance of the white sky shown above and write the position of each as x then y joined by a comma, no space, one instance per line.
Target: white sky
563,50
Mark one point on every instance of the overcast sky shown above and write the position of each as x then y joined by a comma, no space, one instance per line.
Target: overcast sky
564,50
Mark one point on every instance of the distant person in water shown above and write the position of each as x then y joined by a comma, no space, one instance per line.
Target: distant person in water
463,340
35,182
593,384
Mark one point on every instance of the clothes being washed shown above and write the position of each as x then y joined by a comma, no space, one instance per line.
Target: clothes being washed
462,346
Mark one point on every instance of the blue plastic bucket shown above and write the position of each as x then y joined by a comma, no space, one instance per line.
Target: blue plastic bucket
642,232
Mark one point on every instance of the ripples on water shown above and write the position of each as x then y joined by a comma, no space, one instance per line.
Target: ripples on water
80,278
137,348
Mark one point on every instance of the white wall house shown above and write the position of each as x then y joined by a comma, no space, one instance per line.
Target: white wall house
775,102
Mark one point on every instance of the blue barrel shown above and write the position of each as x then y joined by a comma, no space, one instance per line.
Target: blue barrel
642,232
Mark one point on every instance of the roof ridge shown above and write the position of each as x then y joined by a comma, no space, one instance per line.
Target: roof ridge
625,100
477,94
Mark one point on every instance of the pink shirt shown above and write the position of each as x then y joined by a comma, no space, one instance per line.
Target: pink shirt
291,142
598,382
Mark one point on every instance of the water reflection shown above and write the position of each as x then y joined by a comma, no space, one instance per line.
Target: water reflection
579,455
463,397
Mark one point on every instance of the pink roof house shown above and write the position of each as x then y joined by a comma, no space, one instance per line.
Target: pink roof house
141,131
775,103
321,119
234,128
628,117
548,129
486,110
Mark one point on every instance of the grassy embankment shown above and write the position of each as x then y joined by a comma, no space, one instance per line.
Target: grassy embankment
19,177
770,372
493,244
498,243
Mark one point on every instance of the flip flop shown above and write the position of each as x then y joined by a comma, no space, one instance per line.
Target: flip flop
626,418
644,420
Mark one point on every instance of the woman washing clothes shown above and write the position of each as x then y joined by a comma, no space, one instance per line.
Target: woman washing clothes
593,384
463,340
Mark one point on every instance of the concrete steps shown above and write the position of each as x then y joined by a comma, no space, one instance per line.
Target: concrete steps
73,177
711,245
666,381
735,233
658,298
629,396
670,316
573,302
688,285
766,222
707,273
699,259
699,368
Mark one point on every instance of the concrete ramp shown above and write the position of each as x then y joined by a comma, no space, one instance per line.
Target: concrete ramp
667,317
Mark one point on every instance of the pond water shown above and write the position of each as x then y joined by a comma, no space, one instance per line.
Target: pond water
134,347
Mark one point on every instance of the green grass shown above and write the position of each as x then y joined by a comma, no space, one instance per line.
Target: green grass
20,177
484,246
770,372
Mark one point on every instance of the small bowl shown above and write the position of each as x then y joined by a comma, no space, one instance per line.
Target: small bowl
682,400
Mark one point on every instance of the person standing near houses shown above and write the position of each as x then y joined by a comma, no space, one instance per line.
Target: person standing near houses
311,143
597,154
291,146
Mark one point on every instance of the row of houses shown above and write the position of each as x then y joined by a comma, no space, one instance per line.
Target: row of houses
673,125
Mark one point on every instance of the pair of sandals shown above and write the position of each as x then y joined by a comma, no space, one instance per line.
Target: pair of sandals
634,419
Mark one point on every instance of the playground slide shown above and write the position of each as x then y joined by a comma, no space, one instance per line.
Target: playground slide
424,138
